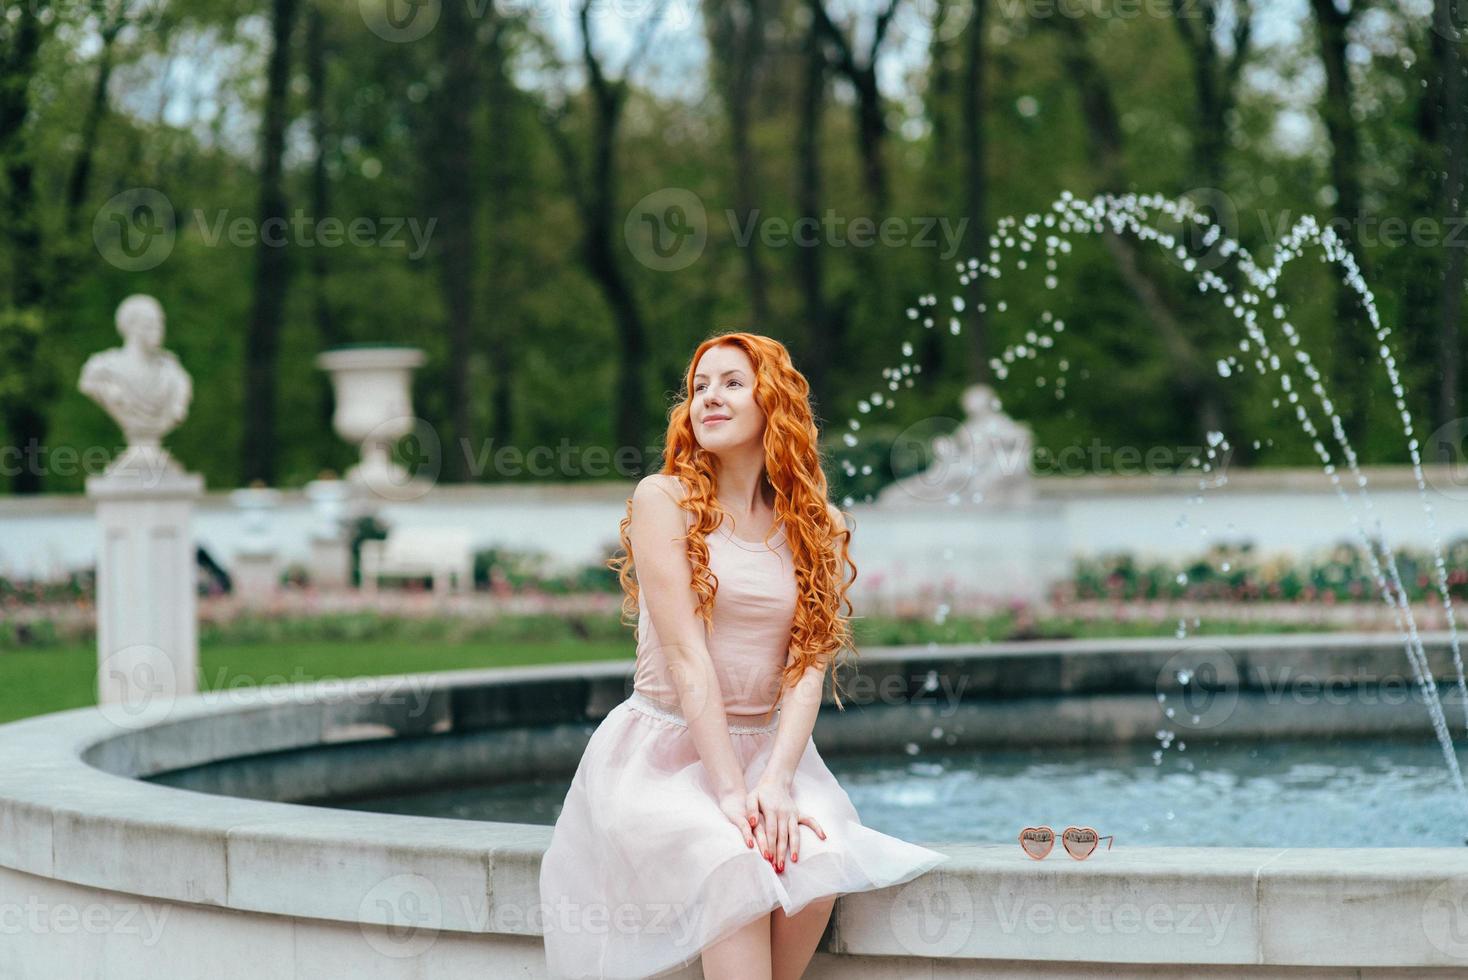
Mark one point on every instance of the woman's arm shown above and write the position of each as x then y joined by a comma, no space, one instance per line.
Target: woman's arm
798,711
801,705
665,577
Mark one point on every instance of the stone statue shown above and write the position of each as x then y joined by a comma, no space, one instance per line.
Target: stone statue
986,460
142,386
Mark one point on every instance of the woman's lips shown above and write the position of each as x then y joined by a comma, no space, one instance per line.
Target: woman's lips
716,421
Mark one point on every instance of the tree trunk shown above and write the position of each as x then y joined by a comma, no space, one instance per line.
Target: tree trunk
820,342
499,329
739,29
601,261
1215,85
25,419
975,96
272,270
597,196
1354,361
16,71
79,181
456,190
1194,379
882,297
327,335
1450,323
594,189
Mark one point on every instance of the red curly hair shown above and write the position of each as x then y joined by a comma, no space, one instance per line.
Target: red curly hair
793,470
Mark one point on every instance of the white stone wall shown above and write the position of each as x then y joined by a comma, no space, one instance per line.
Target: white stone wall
924,545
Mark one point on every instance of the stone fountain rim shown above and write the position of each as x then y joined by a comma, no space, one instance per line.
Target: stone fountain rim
63,818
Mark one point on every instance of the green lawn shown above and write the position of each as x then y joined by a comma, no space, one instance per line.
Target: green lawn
34,682
41,679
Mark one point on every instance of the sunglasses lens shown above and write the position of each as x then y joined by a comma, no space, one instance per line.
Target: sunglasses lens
1037,842
1080,842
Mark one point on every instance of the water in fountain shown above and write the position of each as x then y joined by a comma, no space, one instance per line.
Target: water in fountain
1132,215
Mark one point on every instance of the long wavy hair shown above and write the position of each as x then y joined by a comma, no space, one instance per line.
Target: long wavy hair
793,470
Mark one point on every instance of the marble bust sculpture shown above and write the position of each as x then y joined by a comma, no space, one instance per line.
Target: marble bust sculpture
142,386
986,459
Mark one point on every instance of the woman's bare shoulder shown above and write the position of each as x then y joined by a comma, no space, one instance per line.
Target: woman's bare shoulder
656,485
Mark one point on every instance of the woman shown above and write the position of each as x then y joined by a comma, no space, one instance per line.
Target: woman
701,820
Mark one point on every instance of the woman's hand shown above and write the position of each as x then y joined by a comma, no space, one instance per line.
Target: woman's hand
778,832
736,806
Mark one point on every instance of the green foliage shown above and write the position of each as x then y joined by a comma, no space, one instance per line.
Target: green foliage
1237,574
367,528
545,328
25,379
505,571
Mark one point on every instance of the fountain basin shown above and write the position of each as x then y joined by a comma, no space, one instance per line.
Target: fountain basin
174,841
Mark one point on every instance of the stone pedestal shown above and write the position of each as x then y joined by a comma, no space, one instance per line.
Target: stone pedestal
331,551
147,632
331,563
969,527
255,572
970,554
255,576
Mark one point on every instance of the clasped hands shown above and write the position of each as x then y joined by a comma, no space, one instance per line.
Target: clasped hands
769,820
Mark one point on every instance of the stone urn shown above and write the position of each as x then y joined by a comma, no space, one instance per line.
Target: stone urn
374,409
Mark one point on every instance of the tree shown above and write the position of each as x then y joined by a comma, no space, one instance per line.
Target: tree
738,49
1354,353
1193,371
593,185
272,270
456,191
23,34
1454,197
327,330
976,180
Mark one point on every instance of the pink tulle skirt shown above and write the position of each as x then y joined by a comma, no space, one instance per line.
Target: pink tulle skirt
644,870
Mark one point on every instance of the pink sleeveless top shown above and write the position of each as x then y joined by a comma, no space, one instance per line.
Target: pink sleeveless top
754,609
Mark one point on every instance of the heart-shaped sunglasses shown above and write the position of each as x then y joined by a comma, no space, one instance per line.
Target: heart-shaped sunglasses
1078,842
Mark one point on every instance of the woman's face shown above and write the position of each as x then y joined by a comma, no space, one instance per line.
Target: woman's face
722,404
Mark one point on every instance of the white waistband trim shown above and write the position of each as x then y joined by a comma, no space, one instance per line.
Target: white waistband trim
646,704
